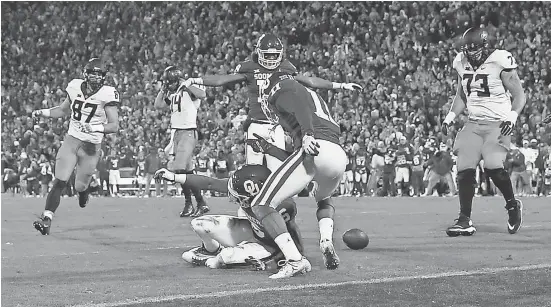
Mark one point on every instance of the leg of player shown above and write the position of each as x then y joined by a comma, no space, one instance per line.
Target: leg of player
288,180
468,145
186,190
87,158
494,152
325,214
66,160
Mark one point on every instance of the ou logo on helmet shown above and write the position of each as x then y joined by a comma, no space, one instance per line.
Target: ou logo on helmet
251,187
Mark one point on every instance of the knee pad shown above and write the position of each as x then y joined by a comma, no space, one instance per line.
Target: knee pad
59,184
203,224
468,176
497,173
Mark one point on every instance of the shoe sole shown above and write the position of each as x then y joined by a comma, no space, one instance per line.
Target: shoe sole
330,258
462,232
513,231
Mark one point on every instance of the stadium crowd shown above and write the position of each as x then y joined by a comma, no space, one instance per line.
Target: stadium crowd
401,53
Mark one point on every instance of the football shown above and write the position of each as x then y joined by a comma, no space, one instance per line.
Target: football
355,239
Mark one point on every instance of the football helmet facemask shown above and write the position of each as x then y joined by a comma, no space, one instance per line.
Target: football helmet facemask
171,78
475,45
269,51
246,182
94,74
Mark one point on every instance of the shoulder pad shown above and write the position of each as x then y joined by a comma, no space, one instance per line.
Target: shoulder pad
457,61
288,67
74,85
504,59
110,94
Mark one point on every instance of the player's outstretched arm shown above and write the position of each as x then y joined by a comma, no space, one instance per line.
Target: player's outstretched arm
62,110
315,82
512,83
261,145
216,80
458,106
198,181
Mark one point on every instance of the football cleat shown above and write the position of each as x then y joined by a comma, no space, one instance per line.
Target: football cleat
83,198
330,258
201,210
463,226
257,264
188,209
199,255
43,225
292,268
514,210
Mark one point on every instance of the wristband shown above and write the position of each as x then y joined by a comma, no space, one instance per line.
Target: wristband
180,178
512,117
98,128
336,85
46,112
449,118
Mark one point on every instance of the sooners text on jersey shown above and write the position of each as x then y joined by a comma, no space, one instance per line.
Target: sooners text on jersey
257,81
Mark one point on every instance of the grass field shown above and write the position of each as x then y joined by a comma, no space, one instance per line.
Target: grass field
126,252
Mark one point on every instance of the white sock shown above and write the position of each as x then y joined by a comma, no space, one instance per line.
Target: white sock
288,247
49,214
326,229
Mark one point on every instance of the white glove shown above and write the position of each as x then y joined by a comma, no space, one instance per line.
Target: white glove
352,87
164,174
310,145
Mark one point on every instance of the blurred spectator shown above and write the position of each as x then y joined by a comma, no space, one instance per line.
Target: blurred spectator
152,164
400,52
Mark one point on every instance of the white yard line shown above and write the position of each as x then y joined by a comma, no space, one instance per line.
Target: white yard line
170,298
92,253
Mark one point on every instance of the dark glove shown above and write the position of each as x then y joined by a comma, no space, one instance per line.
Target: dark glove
507,128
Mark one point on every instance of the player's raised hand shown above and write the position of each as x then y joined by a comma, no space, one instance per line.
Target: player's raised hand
187,83
352,87
547,120
310,145
507,128
260,144
164,174
445,128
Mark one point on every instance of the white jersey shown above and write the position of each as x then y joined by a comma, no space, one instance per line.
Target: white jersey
184,109
487,98
90,110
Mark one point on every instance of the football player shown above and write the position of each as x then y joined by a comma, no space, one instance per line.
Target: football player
486,76
267,58
184,101
317,156
93,110
229,240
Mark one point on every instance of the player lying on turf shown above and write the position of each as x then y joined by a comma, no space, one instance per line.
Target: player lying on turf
231,240
235,240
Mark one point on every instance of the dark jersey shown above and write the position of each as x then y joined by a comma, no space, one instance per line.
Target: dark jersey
202,164
257,78
428,153
287,210
350,163
113,163
361,162
403,156
301,111
417,162
389,163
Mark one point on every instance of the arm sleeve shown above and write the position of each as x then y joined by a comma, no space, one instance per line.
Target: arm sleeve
113,98
208,183
506,60
286,101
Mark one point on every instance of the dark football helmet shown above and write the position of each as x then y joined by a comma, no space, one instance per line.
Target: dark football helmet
269,51
171,78
246,182
475,45
94,73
